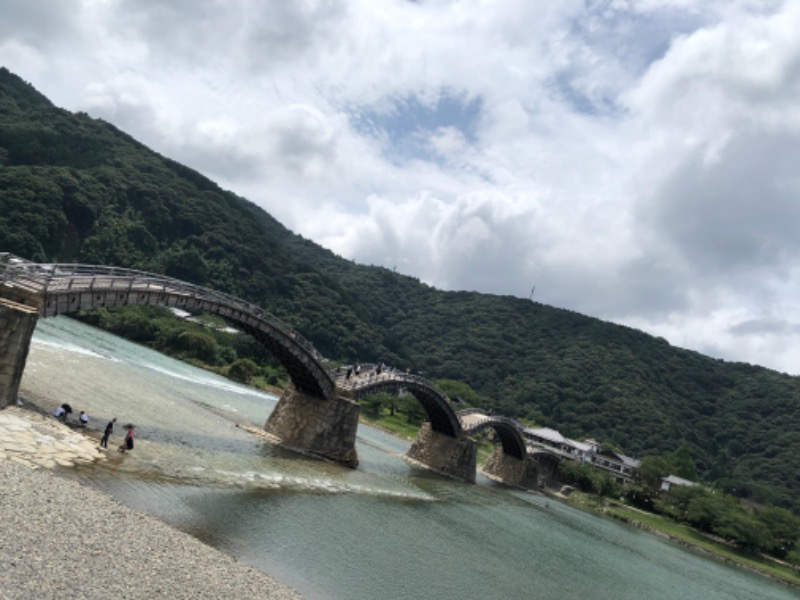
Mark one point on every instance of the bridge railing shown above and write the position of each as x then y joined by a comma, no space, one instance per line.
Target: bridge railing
472,411
359,383
366,379
513,422
59,277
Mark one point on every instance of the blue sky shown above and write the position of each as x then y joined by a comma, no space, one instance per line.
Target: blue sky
633,159
407,123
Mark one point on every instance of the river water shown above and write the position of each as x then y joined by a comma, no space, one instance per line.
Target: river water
385,530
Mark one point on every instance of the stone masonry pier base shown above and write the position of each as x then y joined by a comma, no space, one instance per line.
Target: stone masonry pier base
323,427
17,323
511,470
454,457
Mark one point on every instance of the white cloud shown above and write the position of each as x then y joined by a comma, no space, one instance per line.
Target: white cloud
633,160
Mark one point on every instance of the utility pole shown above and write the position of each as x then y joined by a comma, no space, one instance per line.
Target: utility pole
533,289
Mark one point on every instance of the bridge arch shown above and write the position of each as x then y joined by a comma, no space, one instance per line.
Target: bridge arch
441,415
508,430
60,289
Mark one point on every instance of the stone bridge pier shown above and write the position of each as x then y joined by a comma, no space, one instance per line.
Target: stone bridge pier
323,427
452,456
514,471
17,323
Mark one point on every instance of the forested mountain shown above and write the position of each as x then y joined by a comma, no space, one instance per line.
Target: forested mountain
73,188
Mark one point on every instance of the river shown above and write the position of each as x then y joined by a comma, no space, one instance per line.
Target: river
385,530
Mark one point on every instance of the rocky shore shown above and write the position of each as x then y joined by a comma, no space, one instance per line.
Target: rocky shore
61,539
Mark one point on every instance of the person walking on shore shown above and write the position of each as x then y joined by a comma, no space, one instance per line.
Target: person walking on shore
107,433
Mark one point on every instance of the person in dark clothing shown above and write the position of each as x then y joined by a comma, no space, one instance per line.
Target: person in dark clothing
128,443
107,433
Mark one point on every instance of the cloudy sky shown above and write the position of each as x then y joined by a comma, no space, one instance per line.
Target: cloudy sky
635,160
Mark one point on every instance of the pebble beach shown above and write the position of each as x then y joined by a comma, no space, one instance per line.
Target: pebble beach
61,539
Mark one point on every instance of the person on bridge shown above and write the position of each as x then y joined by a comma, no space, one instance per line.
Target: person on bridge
107,433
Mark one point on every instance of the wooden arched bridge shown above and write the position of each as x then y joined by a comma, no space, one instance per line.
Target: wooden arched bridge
318,413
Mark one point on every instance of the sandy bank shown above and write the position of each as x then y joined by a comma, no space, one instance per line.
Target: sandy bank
60,539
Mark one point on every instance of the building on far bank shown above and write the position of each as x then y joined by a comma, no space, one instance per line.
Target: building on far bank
622,468
672,481
550,439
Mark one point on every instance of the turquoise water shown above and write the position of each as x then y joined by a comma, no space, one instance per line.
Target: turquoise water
385,530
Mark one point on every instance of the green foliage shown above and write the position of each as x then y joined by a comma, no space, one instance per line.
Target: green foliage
136,323
458,390
193,344
770,530
682,463
412,409
652,469
784,529
243,369
745,530
372,404
73,188
641,495
587,479
675,503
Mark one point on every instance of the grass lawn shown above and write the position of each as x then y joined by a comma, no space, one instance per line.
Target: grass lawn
691,537
397,424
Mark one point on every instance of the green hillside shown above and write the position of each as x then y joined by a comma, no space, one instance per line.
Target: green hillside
73,188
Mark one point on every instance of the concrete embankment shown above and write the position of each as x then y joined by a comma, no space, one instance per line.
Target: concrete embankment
61,539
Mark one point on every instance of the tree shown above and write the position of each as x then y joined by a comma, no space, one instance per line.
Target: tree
243,369
707,510
645,490
197,345
652,469
575,473
372,404
783,526
743,529
675,503
682,463
461,391
133,325
413,410
188,265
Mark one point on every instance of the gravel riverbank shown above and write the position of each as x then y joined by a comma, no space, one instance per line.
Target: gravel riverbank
61,539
